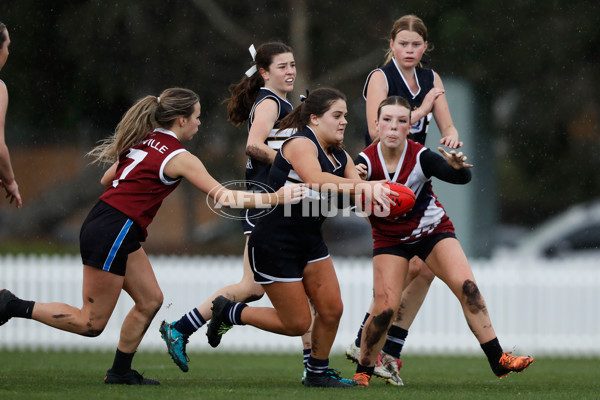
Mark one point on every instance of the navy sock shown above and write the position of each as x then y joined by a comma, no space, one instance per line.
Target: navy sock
315,366
367,370
232,315
395,341
493,351
20,308
306,355
122,362
190,322
359,334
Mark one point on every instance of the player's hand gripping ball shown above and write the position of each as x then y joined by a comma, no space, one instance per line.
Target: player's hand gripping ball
403,202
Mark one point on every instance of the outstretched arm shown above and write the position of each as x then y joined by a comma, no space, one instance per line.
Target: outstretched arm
451,168
454,159
188,166
301,153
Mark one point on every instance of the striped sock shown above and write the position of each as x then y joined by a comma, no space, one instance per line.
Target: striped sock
306,355
314,366
232,315
395,341
190,322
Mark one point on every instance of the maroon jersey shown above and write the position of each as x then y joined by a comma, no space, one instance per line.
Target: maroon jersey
140,184
427,216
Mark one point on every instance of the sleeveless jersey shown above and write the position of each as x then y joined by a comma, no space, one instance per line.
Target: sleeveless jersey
292,227
140,184
397,86
427,216
257,170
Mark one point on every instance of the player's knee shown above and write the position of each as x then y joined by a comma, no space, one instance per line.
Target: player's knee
386,298
246,292
413,272
333,312
151,304
93,328
426,275
157,301
298,326
472,297
415,266
253,296
92,332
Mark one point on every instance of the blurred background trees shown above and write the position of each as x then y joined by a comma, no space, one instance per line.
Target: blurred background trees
76,66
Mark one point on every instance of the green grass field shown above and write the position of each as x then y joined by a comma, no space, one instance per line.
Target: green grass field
70,375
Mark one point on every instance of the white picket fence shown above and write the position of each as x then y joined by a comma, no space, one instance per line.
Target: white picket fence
537,307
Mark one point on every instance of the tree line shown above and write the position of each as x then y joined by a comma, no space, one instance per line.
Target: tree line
76,65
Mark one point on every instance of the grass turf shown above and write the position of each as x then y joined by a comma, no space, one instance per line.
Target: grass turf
71,375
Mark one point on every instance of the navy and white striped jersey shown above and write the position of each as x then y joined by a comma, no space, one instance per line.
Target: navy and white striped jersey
257,170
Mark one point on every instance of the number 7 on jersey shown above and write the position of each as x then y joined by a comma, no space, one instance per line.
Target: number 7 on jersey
137,156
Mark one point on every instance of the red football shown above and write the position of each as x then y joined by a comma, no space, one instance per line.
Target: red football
403,202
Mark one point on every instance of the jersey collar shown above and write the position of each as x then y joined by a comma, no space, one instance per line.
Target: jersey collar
166,132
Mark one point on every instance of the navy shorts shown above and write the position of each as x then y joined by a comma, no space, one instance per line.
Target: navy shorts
421,248
270,265
107,237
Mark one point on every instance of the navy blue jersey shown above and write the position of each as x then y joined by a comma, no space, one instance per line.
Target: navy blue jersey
397,86
294,228
258,171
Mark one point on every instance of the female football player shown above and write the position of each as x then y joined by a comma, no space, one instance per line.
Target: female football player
150,164
286,249
426,232
403,75
260,98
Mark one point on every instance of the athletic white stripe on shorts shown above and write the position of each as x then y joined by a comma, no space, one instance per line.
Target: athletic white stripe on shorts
270,278
318,259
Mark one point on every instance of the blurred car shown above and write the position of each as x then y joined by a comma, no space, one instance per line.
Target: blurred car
575,232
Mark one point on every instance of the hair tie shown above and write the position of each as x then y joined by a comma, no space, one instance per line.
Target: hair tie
303,97
253,68
158,99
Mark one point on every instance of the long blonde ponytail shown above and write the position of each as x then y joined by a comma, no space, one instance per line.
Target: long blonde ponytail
143,117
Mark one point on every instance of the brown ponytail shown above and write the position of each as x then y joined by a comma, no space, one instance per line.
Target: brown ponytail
243,93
